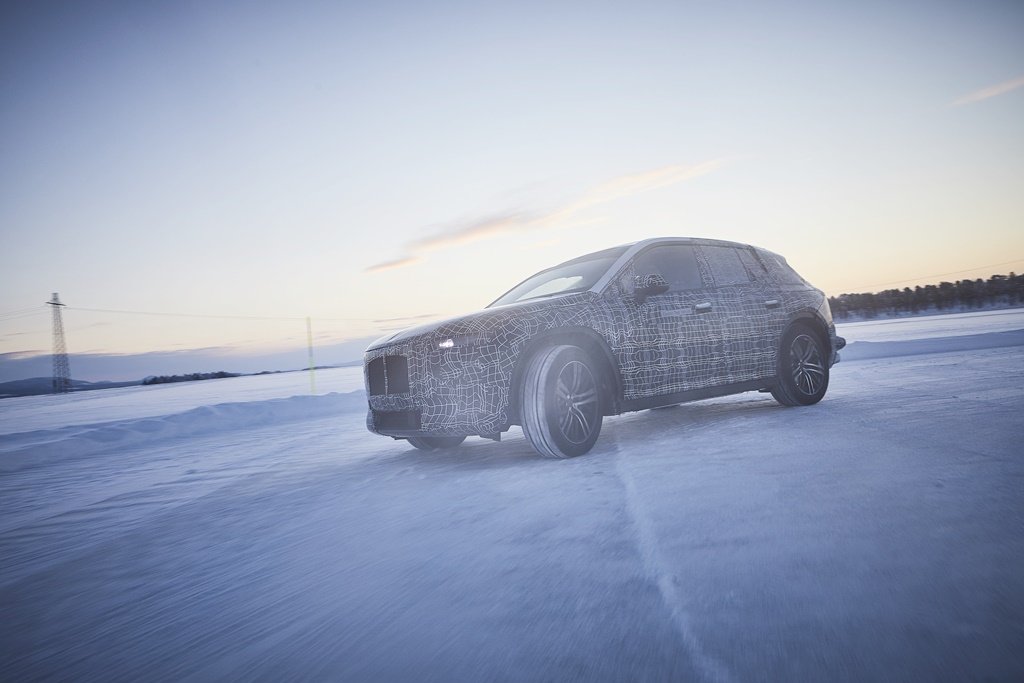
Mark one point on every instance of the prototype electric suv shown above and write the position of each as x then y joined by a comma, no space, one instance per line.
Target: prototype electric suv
638,326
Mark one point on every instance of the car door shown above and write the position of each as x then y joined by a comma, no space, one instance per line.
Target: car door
749,315
675,345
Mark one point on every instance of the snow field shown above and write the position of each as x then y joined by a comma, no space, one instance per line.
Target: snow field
88,422
875,536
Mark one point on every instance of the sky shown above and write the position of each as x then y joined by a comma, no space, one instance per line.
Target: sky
371,165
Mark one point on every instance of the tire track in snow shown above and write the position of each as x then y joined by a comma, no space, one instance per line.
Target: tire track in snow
655,567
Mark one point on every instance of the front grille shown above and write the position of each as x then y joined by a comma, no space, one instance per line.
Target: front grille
375,377
388,375
396,419
397,372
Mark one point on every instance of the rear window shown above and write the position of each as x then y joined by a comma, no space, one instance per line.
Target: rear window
783,272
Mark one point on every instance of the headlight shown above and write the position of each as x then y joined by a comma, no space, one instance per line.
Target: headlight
462,340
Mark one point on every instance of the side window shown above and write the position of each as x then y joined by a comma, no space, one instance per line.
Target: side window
676,263
753,264
726,266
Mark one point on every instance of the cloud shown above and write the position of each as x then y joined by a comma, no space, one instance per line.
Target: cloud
636,183
408,318
991,91
395,263
479,228
567,215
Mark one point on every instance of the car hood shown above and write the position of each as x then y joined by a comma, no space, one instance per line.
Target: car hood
410,332
479,319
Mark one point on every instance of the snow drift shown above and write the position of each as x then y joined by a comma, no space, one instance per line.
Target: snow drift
41,446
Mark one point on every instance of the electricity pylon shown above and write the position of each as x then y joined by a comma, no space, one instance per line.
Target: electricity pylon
61,367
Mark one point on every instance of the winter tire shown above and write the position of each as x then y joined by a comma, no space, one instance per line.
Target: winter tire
802,367
561,402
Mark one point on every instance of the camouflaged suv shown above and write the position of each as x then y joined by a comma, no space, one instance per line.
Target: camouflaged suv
638,326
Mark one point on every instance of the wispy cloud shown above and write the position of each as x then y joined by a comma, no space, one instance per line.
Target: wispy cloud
566,215
408,319
991,91
394,263
473,230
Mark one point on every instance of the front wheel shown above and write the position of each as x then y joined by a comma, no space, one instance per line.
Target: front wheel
435,443
802,368
561,402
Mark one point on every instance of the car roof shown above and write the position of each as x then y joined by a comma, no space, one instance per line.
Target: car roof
636,247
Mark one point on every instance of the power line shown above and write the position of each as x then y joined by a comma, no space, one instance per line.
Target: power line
23,332
955,272
16,311
211,315
185,315
22,316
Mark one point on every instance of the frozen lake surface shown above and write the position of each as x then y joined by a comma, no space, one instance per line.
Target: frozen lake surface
243,529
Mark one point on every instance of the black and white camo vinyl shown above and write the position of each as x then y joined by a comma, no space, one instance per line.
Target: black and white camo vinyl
664,345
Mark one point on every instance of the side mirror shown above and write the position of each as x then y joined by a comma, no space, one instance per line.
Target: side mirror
648,285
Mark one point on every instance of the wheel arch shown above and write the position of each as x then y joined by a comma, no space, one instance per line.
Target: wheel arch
786,388
813,320
585,338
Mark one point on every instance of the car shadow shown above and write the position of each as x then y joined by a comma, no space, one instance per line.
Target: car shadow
514,451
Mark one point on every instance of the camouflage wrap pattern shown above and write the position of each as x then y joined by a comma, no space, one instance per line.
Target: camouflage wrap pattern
460,372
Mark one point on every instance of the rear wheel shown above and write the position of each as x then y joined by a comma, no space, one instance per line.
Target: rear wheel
435,443
561,402
802,368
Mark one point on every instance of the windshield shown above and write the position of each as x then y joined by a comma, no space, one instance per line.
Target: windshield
572,276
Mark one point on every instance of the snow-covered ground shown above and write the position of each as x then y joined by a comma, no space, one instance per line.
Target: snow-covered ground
930,327
243,528
47,412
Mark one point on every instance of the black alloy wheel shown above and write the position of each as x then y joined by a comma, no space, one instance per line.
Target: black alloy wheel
802,367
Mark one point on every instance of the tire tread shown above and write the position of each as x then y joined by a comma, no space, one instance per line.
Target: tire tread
534,403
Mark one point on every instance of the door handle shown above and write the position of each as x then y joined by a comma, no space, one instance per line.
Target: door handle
702,308
772,303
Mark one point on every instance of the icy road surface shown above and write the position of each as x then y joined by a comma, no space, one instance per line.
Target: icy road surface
876,536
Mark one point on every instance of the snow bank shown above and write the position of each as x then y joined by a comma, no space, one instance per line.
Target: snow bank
52,411
865,350
927,327
31,448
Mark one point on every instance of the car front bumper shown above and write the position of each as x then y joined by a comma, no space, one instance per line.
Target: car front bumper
415,388
837,344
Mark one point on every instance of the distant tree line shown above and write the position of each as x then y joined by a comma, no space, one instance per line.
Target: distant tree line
998,290
167,379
